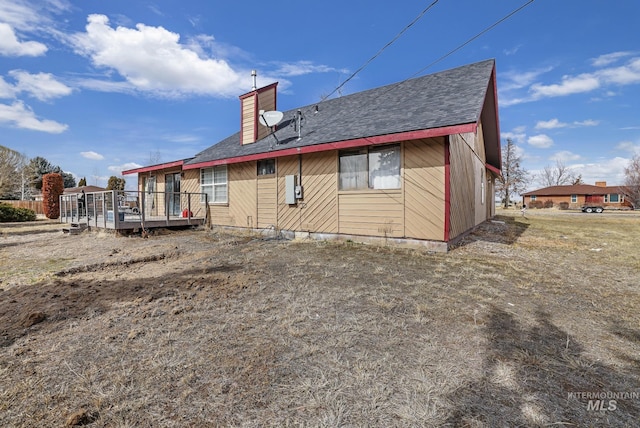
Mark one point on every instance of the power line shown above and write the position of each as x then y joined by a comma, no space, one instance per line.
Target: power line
381,50
486,30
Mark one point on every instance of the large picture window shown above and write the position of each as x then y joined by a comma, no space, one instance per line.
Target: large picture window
372,168
213,182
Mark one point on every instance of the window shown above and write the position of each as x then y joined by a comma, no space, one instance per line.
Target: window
574,199
373,168
614,198
213,182
266,166
533,197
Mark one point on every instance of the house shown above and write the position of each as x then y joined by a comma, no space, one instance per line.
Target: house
415,162
577,195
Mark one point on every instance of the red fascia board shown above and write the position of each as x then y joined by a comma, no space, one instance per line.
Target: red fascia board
493,169
340,145
153,167
259,90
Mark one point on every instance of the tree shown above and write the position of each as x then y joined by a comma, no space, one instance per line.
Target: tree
577,180
68,179
514,177
631,188
116,183
38,167
11,169
82,182
558,175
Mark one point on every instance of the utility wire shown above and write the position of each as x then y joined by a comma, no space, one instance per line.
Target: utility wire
381,50
486,30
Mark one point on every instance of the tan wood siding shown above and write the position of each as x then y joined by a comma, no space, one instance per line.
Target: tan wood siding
375,213
288,215
242,194
467,209
424,189
248,120
267,201
320,184
190,181
266,102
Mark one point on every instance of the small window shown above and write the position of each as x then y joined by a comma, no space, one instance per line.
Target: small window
533,197
574,199
213,182
374,168
266,166
614,198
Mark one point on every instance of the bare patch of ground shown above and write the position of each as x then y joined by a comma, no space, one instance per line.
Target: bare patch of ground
207,328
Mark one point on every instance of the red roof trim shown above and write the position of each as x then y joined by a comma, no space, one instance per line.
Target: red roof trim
493,169
259,90
153,167
347,144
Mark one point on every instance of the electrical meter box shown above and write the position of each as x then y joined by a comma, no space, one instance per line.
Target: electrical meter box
292,191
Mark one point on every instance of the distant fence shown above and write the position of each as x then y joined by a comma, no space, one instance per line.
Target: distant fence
36,206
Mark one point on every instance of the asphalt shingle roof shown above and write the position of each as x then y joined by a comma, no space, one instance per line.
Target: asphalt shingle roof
448,98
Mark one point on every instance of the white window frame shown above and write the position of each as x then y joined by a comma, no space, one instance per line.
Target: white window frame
210,188
532,197
368,171
574,199
617,196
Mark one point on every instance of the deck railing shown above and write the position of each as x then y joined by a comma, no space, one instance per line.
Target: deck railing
127,209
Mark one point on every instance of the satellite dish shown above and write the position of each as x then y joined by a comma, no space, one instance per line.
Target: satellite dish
270,118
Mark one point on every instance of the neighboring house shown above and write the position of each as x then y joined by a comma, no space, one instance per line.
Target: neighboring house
415,160
86,189
578,195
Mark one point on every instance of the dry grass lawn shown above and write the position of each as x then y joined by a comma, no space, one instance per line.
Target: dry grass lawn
208,328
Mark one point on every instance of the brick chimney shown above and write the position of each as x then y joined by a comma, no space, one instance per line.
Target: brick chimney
601,183
250,105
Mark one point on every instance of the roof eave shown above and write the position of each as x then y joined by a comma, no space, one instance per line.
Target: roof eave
340,145
153,167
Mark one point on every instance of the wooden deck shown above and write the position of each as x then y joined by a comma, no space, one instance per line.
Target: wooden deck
130,210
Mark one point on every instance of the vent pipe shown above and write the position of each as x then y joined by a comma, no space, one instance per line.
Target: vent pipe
254,75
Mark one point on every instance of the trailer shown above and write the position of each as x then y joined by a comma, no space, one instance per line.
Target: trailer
592,209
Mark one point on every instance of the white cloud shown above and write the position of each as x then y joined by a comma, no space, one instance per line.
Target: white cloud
570,85
304,67
629,146
565,156
517,136
604,60
11,46
541,141
19,115
588,122
152,59
42,86
124,167
556,124
550,124
609,170
91,155
6,90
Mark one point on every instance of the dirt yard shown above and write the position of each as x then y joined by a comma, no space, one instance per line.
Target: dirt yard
526,323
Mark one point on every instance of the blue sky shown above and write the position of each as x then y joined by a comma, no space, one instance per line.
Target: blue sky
98,87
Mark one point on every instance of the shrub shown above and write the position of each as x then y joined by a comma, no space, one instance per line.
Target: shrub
11,213
564,205
535,204
548,203
52,188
